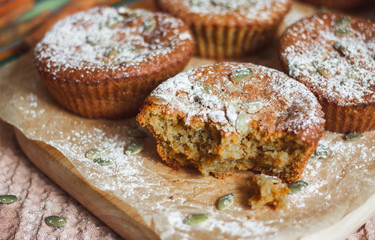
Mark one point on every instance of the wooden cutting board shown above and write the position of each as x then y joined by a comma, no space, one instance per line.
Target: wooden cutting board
118,215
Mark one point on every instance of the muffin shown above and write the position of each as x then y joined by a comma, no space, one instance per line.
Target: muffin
234,116
333,55
227,29
102,63
340,4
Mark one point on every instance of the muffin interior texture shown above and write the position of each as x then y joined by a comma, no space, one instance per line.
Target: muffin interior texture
203,146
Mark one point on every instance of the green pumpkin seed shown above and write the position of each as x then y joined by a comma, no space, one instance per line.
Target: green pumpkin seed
196,2
322,151
298,186
353,72
98,152
343,32
196,219
252,107
137,133
242,123
341,48
312,159
149,25
8,199
55,221
353,136
325,72
103,162
241,74
343,22
134,148
226,201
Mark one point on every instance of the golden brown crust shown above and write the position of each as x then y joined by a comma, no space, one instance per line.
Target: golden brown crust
337,63
204,118
229,31
110,78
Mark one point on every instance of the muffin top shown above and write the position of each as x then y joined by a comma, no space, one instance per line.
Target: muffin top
227,12
109,40
236,96
334,55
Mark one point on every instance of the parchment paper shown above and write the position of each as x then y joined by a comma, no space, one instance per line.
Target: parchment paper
341,188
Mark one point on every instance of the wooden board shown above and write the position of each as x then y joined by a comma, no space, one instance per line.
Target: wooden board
118,215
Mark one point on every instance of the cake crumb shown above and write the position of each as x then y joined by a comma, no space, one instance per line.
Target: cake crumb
267,190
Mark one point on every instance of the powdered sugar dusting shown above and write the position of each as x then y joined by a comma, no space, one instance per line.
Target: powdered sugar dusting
208,93
250,9
338,68
109,38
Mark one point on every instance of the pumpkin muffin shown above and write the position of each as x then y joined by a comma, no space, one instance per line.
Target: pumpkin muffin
102,63
333,55
340,4
225,28
232,116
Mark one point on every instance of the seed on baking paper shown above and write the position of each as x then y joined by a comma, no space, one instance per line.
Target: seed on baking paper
134,148
225,201
298,186
353,136
137,133
103,162
241,74
196,219
8,199
55,221
343,22
322,151
98,152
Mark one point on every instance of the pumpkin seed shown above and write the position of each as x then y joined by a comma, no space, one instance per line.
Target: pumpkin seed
353,72
137,133
341,48
242,124
343,32
298,186
98,152
158,100
252,107
196,219
353,136
312,159
343,22
226,201
196,2
8,199
322,151
149,25
55,221
103,162
134,148
241,74
325,72
112,52
232,111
